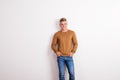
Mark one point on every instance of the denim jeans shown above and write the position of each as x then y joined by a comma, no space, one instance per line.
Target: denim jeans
68,61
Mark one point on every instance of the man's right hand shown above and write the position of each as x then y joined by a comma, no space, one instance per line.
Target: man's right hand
58,53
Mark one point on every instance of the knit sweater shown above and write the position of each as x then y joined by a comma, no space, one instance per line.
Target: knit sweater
64,42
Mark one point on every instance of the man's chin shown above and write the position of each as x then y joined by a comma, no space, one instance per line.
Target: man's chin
64,29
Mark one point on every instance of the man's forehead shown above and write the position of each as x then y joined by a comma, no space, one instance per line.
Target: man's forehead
63,22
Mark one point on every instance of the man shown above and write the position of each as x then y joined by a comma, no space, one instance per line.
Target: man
67,46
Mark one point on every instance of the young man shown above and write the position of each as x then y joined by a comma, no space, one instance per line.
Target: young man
67,46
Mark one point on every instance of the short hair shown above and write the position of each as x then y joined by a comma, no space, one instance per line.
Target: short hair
62,19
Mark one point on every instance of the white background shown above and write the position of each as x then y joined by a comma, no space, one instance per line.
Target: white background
27,28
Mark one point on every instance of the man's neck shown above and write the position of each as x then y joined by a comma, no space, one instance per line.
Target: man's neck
64,30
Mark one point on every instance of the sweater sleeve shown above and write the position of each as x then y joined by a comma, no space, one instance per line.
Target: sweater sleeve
75,43
54,43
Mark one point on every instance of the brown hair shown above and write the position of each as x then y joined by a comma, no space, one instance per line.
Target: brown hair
63,19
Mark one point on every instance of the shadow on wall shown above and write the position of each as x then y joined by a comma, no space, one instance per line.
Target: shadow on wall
53,58
53,63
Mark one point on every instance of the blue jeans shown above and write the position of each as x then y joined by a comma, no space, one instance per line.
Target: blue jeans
68,61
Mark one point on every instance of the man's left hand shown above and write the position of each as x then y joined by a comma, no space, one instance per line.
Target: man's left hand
71,54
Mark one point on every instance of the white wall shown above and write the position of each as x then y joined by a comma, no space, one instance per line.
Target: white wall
27,28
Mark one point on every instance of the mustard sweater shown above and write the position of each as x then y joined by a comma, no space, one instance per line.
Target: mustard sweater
64,42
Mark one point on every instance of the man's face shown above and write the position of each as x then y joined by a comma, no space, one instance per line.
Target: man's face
63,25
